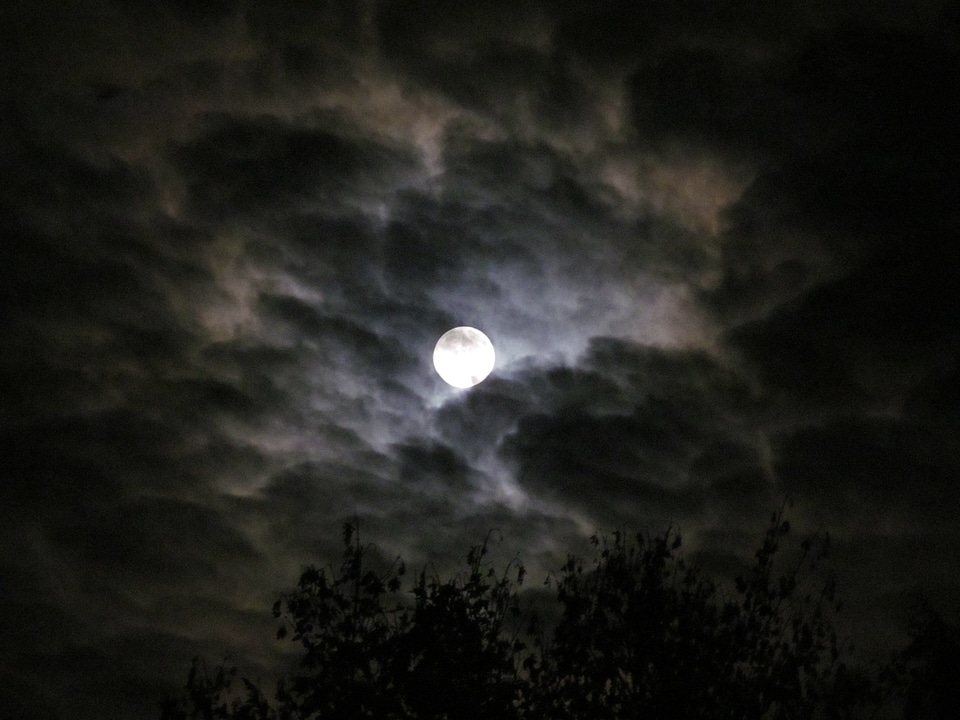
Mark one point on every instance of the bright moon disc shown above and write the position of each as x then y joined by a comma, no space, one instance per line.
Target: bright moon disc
463,356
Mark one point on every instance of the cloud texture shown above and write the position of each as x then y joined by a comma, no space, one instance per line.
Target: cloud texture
715,250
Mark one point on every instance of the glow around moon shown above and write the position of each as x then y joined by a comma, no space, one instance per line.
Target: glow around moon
463,357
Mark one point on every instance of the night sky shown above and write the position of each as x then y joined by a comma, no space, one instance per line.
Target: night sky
714,244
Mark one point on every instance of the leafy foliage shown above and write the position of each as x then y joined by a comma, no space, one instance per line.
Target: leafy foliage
371,651
925,672
209,696
641,633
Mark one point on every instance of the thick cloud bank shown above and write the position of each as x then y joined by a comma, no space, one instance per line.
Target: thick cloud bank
715,249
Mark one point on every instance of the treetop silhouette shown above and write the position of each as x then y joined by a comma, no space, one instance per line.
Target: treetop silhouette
640,633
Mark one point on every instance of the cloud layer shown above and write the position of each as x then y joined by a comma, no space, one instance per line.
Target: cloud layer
715,251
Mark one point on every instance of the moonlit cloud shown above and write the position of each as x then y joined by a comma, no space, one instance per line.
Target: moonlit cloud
715,249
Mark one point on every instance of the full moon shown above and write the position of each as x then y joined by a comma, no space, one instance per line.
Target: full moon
463,356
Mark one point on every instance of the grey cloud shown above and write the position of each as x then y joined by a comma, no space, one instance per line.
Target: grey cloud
706,98
233,235
622,434
525,181
860,337
476,422
305,502
548,201
602,464
858,469
872,176
737,486
405,500
621,31
420,255
82,266
434,464
93,459
934,404
340,21
337,254
151,541
246,166
464,52
340,341
881,89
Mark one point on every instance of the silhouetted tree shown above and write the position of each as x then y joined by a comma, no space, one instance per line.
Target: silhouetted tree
211,696
641,634
927,671
644,634
370,651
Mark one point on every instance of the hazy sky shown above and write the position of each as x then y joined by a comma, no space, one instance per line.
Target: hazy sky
714,244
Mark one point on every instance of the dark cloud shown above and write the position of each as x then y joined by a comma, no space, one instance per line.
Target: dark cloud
464,52
338,254
867,119
625,437
603,471
868,472
624,32
705,97
860,338
151,539
341,343
340,21
433,464
736,483
715,249
477,422
251,165
308,501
